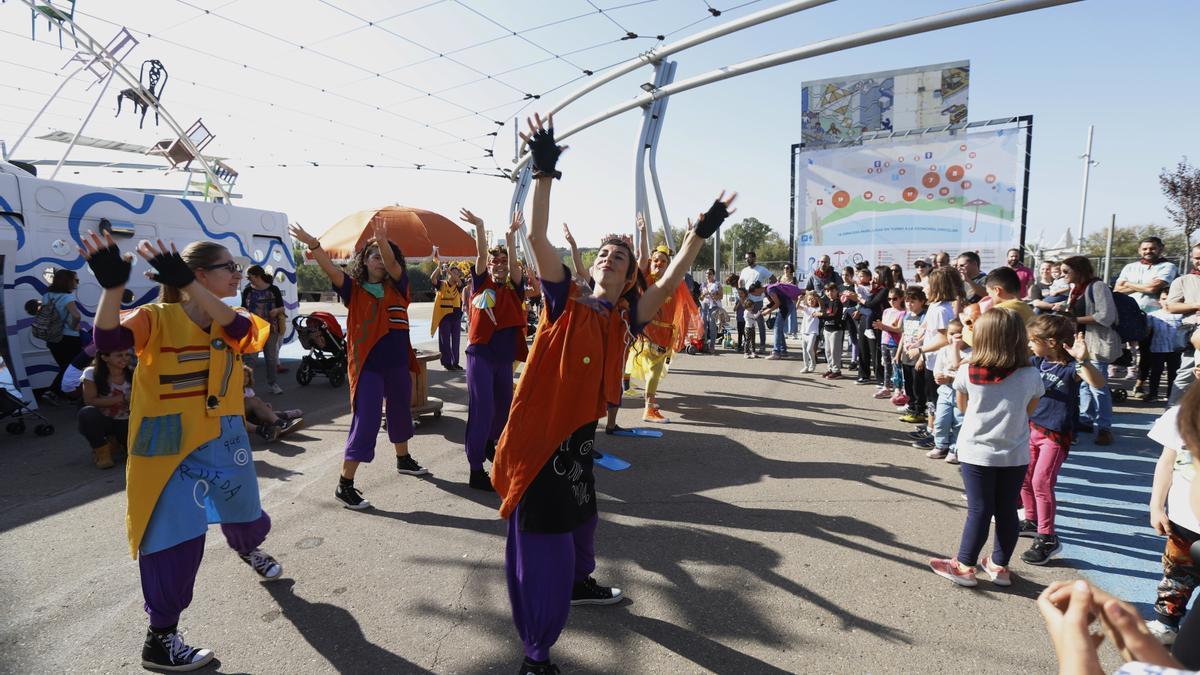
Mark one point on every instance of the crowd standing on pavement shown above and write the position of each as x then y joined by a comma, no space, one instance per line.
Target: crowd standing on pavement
998,371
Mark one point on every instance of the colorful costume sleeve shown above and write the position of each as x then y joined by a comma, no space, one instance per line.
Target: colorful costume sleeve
686,318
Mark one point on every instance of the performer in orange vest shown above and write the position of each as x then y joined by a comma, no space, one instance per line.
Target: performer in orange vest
374,289
543,467
495,340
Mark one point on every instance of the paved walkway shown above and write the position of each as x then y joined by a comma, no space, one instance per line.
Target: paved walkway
780,525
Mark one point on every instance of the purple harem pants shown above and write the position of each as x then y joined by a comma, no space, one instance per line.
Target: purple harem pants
449,337
542,569
384,378
169,575
489,393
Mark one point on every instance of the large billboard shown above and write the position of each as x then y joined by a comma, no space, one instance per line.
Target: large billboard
844,108
898,200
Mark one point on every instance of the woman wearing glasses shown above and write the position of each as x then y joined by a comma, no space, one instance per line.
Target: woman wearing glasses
189,456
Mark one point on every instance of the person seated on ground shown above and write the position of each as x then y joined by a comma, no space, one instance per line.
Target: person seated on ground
104,418
262,419
70,386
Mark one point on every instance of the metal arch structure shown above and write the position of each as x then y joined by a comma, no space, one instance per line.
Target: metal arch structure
958,17
100,56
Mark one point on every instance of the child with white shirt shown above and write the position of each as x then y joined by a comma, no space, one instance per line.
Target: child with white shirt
946,417
1166,349
997,391
751,311
810,327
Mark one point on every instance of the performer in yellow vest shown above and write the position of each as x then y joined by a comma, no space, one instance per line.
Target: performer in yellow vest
189,456
447,313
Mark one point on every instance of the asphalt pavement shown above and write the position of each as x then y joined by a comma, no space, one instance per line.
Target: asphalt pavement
781,524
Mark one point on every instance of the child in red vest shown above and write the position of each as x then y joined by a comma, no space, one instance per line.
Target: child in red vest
374,289
543,468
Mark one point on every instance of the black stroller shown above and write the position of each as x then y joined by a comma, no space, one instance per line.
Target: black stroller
16,408
321,335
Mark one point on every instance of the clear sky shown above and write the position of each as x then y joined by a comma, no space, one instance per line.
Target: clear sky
1119,65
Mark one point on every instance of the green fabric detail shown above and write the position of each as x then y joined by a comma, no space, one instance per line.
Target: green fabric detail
159,436
375,289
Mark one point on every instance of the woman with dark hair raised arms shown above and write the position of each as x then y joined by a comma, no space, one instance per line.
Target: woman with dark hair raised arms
543,469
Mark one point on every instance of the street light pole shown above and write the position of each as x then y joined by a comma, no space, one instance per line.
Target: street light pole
1087,171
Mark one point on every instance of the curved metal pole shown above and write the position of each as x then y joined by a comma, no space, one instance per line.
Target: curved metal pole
660,114
87,118
658,54
958,17
12,151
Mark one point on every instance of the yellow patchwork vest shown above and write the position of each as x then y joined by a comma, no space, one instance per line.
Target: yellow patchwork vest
186,380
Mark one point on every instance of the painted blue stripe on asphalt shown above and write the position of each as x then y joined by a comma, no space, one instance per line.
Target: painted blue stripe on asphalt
1103,512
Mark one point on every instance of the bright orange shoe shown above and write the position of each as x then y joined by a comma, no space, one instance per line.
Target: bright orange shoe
653,415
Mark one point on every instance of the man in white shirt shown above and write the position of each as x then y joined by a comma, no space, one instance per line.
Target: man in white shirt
1184,298
751,273
1144,280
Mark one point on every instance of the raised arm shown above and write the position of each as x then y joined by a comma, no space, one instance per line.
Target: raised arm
394,269
576,257
510,242
643,259
170,269
654,296
545,157
112,273
336,276
481,247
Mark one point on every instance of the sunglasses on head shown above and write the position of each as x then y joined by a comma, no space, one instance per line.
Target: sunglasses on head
231,267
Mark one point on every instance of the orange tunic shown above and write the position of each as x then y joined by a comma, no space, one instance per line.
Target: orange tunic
368,320
678,318
574,370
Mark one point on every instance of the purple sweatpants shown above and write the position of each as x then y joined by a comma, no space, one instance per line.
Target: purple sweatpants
374,387
169,575
449,336
542,569
489,396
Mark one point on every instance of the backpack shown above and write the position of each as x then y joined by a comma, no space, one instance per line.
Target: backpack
47,324
1132,324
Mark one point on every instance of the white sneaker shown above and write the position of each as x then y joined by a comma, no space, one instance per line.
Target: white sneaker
1162,632
276,389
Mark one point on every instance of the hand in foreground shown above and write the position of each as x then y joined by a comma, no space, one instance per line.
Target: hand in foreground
105,260
168,264
1119,620
1078,349
545,151
710,220
466,216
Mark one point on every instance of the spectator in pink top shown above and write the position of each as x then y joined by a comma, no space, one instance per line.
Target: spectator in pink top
1024,274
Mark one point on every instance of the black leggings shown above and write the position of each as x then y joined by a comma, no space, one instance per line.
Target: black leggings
868,357
916,389
63,351
96,427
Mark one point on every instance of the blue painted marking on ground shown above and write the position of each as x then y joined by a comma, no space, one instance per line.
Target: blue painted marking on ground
1104,515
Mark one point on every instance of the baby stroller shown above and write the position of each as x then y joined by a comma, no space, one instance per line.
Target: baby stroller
321,335
16,408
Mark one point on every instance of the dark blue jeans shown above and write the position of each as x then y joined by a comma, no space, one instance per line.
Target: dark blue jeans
991,491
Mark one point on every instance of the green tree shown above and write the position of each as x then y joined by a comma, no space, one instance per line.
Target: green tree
1127,237
309,277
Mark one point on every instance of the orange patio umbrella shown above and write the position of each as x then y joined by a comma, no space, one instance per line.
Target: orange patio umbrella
415,231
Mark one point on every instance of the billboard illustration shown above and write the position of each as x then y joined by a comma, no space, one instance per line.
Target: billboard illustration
895,201
845,108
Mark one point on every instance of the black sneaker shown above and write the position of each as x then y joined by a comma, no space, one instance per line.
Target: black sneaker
289,424
260,561
351,497
592,593
1027,528
923,444
408,466
534,668
166,650
864,380
268,432
489,452
920,434
481,481
1045,547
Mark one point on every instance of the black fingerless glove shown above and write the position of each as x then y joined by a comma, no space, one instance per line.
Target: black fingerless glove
110,268
545,153
172,270
712,219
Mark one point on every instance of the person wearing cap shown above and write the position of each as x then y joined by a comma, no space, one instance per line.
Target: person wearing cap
920,274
